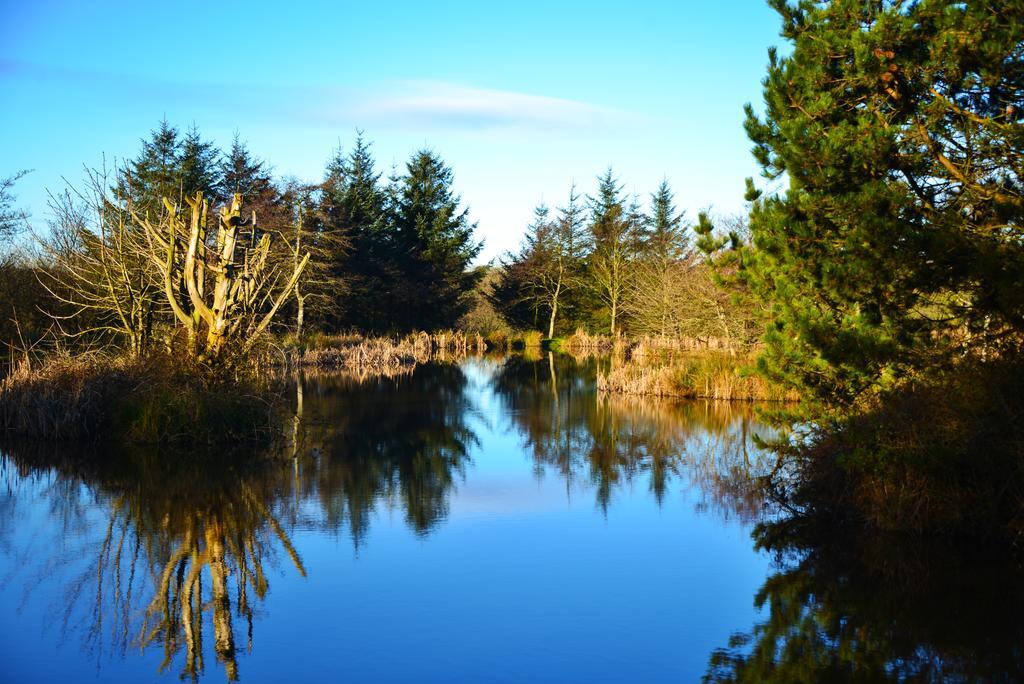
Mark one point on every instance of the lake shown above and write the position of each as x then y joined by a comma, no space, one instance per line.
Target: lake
492,520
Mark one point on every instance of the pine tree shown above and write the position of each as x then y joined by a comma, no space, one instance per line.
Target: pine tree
665,238
168,166
197,165
526,291
243,173
322,288
571,227
614,236
539,286
155,173
435,246
898,243
651,298
353,205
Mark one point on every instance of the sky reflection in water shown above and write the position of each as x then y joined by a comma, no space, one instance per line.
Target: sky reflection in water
496,521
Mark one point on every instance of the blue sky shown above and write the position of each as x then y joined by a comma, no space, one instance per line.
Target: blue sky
520,98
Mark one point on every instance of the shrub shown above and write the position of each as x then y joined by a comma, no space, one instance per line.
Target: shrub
942,455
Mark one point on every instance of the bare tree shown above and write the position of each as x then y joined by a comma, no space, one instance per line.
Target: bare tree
12,220
218,283
97,268
321,287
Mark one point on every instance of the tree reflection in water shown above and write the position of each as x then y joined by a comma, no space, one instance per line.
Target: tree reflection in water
184,538
183,545
402,440
844,608
180,560
607,441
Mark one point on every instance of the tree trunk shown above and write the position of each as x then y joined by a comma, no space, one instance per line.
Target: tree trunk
223,634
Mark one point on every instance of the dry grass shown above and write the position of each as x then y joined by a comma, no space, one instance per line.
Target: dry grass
581,340
657,346
383,354
531,339
64,397
514,340
154,400
691,376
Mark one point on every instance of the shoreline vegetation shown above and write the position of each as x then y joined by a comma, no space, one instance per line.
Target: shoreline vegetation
371,354
693,375
882,289
676,367
158,398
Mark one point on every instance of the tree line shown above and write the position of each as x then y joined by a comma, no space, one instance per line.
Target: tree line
604,263
385,254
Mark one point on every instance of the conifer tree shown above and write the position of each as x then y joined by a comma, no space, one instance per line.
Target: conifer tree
353,206
898,243
197,165
663,265
571,229
170,166
665,238
540,285
614,236
435,246
241,172
322,289
155,172
528,288
510,293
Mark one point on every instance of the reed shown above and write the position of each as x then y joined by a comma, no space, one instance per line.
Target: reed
658,346
582,341
531,339
363,353
154,399
691,376
513,340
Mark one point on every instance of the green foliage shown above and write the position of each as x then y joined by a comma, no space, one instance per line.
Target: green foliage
352,204
665,236
434,245
897,245
543,283
240,172
484,317
409,243
198,169
168,166
607,266
615,241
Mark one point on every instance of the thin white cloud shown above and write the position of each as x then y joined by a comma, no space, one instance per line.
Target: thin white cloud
431,104
408,105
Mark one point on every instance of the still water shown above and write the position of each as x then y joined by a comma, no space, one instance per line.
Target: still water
490,521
